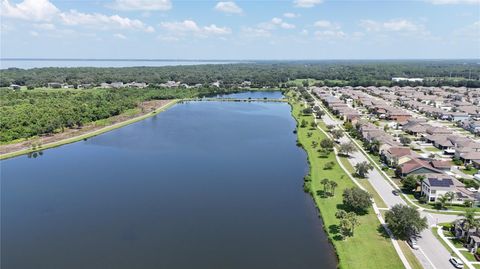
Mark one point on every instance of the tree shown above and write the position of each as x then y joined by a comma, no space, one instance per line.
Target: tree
347,148
307,111
348,126
468,203
362,169
325,183
313,124
303,124
450,195
327,144
336,133
319,114
341,214
352,218
410,183
345,227
442,201
333,185
405,140
357,199
469,220
328,165
405,221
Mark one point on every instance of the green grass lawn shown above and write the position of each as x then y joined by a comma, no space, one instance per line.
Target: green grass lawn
432,149
365,183
412,259
369,247
471,172
468,255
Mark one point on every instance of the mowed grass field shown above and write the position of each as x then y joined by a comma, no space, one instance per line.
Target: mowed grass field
369,247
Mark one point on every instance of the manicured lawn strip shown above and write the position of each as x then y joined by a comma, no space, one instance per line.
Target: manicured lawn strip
368,248
432,149
88,135
435,233
468,255
470,172
412,259
365,183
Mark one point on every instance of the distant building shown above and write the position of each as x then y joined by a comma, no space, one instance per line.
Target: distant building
398,79
15,87
117,84
54,85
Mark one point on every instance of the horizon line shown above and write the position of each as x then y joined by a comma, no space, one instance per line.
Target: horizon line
230,60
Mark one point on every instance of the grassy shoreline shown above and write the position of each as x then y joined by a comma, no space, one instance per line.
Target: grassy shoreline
369,247
90,134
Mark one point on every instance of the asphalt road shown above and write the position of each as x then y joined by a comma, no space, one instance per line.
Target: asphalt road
432,254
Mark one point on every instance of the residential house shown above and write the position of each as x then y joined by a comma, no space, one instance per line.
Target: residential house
417,167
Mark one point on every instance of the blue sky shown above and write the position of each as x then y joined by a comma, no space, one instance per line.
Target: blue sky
266,29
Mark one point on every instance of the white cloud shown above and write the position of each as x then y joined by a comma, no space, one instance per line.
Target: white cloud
326,24
190,27
276,22
33,33
184,26
470,31
104,22
228,7
454,2
307,3
32,10
255,32
285,25
146,5
330,34
291,15
397,25
44,26
120,36
213,29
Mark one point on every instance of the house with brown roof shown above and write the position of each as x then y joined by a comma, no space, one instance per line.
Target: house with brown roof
395,156
416,167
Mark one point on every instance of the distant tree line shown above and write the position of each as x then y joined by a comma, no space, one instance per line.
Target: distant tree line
329,73
24,114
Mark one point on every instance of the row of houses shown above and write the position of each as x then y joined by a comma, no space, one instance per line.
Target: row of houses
437,179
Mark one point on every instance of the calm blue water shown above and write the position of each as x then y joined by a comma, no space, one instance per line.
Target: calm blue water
201,185
27,64
253,95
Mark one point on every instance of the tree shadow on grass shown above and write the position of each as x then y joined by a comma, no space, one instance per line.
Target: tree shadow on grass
381,230
335,231
322,194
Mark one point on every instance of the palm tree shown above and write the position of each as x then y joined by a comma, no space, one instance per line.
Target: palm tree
352,218
450,195
442,200
333,185
469,220
325,182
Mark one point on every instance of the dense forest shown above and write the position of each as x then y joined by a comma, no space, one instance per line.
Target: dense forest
25,114
269,73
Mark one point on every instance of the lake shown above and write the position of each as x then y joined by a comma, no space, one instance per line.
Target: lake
201,185
253,95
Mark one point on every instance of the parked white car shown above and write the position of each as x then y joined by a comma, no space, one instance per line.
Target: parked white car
456,262
413,243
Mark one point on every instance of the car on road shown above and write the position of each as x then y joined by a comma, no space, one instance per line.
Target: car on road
396,192
457,263
412,242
